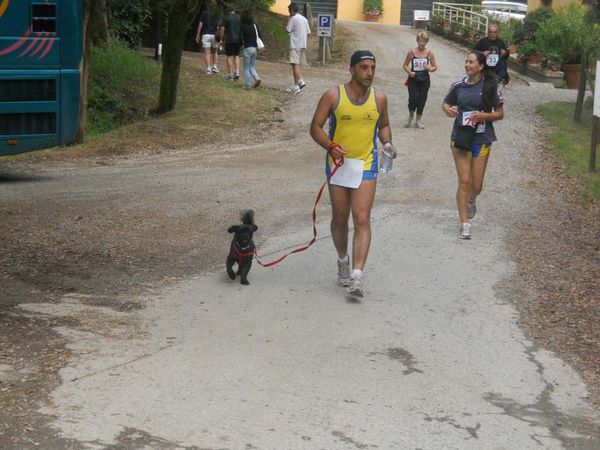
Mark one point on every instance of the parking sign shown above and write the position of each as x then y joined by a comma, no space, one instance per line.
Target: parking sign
324,25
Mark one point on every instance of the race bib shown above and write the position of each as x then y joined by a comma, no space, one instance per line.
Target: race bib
419,64
492,59
466,120
349,174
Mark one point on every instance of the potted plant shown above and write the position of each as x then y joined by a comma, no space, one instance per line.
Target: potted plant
551,61
372,9
529,53
567,35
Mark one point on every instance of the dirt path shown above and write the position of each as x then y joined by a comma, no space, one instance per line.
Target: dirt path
92,240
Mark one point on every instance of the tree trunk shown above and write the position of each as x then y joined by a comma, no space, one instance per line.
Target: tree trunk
88,6
173,48
99,20
581,90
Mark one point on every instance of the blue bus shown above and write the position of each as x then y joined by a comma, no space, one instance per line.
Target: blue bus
41,48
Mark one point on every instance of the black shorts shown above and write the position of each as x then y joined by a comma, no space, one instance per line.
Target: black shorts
232,49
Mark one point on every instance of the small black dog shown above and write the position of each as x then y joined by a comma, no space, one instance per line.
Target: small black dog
242,247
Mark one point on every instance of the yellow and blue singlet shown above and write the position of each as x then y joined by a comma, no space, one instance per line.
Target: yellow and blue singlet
355,127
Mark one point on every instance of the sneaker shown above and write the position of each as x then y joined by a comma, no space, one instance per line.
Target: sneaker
236,76
471,210
208,72
344,274
408,121
293,90
357,287
419,126
214,69
257,84
464,232
301,84
228,77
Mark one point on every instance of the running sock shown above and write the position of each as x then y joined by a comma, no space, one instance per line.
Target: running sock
344,260
356,273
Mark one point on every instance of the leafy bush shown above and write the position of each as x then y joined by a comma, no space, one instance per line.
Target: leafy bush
527,49
374,7
127,19
507,30
568,34
241,5
123,87
526,31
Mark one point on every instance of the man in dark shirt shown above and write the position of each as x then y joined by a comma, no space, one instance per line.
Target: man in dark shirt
496,53
230,35
207,28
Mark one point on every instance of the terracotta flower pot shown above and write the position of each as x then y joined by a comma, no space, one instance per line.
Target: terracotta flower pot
535,58
372,17
572,75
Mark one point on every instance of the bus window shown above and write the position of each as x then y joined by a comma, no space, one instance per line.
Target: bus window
39,73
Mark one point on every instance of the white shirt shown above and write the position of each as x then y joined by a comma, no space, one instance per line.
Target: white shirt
298,29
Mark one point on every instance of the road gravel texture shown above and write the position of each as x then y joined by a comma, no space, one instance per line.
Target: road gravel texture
153,347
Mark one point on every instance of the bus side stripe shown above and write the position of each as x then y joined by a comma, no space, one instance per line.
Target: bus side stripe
39,47
16,45
48,48
29,47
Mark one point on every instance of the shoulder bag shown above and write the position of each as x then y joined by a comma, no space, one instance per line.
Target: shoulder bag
260,46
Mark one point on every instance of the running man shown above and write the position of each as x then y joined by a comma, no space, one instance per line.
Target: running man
496,53
357,116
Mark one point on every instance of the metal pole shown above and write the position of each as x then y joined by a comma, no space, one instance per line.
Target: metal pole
322,41
595,123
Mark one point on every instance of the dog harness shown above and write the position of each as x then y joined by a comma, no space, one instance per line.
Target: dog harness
240,254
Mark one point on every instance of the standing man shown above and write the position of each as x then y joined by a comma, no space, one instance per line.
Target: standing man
495,52
357,116
230,35
298,29
207,28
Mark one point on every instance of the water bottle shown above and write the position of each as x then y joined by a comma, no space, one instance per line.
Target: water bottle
387,157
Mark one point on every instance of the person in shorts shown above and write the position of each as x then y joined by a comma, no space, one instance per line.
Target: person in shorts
298,29
357,117
230,36
475,103
207,34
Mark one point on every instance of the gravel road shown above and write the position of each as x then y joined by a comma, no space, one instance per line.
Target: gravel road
433,357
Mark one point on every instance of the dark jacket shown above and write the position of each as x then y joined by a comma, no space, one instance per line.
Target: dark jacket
248,35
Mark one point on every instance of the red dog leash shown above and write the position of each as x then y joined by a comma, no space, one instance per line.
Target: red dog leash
338,163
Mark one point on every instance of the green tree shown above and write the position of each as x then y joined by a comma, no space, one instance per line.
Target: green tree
570,34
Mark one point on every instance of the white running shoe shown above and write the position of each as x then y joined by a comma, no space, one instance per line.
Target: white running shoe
464,232
419,126
301,84
293,89
343,278
208,72
471,210
214,69
408,121
357,287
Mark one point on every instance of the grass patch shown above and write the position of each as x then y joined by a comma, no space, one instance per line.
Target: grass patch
122,87
208,110
571,141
